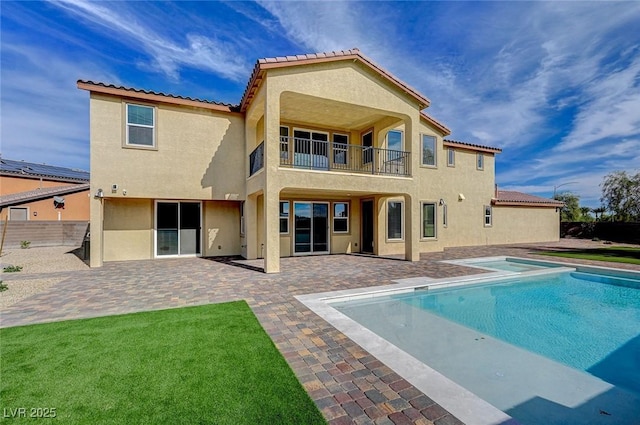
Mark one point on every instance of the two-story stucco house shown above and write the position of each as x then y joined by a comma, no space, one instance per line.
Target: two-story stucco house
325,154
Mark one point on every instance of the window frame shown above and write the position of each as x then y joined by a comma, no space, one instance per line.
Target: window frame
401,238
242,220
480,161
280,216
445,219
27,209
435,156
334,217
451,157
489,216
127,125
435,220
401,133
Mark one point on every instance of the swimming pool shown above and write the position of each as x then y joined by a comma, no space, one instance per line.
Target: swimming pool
507,264
545,347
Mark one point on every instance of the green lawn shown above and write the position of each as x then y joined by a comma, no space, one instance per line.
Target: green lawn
208,364
616,254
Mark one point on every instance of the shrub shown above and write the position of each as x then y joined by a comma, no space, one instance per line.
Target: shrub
25,244
3,286
12,269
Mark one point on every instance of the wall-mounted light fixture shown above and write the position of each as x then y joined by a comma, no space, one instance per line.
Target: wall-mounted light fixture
461,197
99,193
442,202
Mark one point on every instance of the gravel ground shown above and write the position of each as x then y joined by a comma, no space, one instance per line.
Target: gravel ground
36,264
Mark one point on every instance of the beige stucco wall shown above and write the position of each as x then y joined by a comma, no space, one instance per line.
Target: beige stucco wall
128,229
221,228
199,155
524,224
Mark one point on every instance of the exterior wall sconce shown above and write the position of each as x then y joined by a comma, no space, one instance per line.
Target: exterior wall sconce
99,193
461,197
442,202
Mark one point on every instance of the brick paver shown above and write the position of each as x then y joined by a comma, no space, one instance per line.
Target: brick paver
347,383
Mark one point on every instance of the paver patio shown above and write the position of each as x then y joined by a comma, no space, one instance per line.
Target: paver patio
347,383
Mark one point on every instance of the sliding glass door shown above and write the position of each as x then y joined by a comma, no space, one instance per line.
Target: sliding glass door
178,227
311,227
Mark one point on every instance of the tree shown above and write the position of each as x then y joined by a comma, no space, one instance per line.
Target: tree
571,209
621,195
585,214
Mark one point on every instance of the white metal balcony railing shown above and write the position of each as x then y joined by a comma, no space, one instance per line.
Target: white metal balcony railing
312,154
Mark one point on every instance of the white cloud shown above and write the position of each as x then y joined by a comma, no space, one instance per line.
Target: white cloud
197,51
44,115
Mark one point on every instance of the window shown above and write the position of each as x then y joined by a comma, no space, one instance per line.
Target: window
18,214
284,217
284,143
340,142
428,150
242,218
444,215
367,147
480,161
487,216
428,220
451,157
394,220
394,140
140,125
340,217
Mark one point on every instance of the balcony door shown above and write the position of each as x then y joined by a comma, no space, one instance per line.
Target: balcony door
311,228
178,228
311,149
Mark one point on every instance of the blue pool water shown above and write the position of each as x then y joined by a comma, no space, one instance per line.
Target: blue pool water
512,265
491,337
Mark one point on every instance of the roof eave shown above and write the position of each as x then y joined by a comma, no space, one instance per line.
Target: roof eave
471,147
503,203
132,94
443,129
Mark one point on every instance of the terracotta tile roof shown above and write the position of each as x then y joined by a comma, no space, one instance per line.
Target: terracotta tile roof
352,54
445,130
152,95
38,194
510,197
472,146
10,167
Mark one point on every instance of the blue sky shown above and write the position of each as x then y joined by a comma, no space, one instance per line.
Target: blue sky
556,85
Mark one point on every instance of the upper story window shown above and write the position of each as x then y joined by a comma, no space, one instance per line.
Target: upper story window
140,125
480,161
394,140
451,157
284,143
428,150
340,146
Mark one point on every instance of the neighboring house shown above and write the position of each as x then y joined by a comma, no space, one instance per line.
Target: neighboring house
326,153
39,192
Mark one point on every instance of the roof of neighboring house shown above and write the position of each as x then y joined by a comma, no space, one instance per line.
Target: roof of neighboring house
9,167
513,198
38,194
150,95
257,75
471,146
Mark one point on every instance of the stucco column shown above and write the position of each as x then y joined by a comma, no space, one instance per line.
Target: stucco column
251,226
96,229
411,228
272,184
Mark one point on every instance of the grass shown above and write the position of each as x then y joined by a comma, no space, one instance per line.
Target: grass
615,254
211,364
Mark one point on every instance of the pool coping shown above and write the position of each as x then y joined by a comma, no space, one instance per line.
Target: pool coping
462,403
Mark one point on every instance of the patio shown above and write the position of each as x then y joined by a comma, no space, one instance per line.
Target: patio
347,383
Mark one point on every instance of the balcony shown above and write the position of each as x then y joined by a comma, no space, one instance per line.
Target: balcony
256,159
325,155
